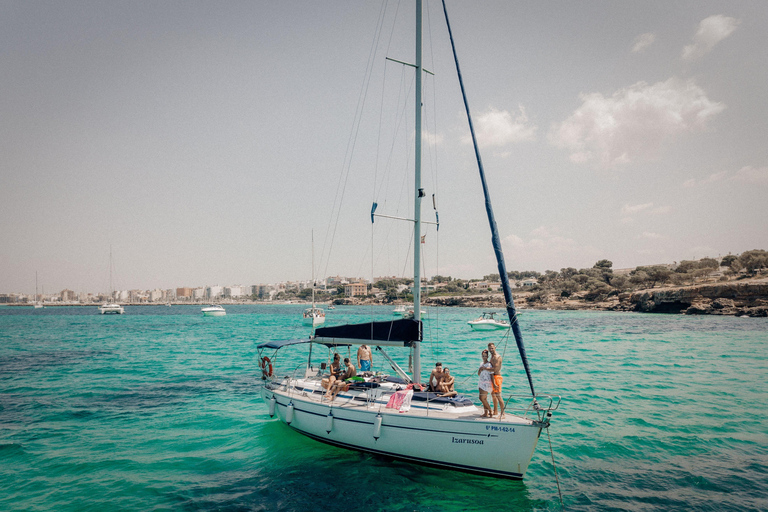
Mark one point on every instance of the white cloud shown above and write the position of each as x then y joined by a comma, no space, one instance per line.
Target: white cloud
634,122
711,31
434,139
546,249
642,42
629,209
748,174
502,128
651,236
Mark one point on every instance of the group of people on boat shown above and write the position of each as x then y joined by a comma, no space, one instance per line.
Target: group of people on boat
440,380
340,378
489,381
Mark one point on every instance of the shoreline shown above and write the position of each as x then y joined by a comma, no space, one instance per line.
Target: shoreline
730,298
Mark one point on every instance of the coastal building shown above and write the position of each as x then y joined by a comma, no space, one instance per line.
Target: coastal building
184,293
67,296
198,294
213,292
355,289
234,292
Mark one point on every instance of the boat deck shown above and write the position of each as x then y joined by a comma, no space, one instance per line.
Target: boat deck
374,396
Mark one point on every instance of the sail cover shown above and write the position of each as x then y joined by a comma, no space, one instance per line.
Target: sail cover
400,332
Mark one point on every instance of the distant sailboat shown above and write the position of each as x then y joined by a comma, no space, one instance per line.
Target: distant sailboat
313,316
110,307
38,303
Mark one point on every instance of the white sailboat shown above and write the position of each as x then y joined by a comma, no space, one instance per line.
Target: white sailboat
391,415
110,307
313,316
38,303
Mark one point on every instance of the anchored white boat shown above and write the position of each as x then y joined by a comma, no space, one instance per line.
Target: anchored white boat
313,316
38,302
391,414
408,313
111,307
488,322
213,310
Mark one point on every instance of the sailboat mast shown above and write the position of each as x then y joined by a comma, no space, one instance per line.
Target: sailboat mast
111,292
418,194
313,277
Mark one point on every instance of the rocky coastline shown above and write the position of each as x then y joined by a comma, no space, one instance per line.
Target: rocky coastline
735,298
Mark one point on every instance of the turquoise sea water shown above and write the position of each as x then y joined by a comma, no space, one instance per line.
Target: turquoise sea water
158,409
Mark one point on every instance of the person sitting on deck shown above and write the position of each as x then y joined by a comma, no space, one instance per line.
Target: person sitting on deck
335,374
446,384
435,377
340,384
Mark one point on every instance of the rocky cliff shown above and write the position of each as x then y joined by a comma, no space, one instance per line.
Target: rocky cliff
733,298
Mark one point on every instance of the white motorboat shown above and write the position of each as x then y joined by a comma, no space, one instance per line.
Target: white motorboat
399,310
213,310
111,308
392,415
488,322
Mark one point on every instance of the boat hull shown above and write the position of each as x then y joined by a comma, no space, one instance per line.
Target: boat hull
492,448
313,321
111,310
214,313
487,326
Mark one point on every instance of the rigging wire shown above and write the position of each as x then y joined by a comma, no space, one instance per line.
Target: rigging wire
347,164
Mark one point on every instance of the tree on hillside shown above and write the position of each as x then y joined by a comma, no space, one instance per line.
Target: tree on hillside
751,261
727,260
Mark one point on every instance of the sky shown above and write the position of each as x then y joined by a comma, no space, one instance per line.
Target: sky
215,143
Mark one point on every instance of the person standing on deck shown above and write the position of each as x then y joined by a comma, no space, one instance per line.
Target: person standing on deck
364,358
496,380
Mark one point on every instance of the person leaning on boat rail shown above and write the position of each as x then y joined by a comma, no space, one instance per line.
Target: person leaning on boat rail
496,380
484,383
435,377
364,358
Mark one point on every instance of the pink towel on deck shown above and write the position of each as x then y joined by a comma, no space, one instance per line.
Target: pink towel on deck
401,400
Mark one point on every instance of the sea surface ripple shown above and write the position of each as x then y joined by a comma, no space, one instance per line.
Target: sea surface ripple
159,409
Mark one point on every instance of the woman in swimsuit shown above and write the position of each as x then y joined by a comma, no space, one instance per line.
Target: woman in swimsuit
484,384
335,374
